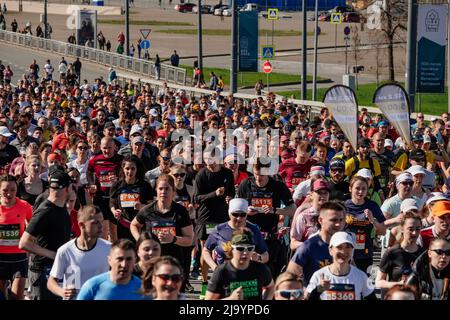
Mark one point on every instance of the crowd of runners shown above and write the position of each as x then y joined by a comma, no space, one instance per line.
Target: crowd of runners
111,192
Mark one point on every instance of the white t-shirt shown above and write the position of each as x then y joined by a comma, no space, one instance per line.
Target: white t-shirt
82,169
76,266
302,190
353,286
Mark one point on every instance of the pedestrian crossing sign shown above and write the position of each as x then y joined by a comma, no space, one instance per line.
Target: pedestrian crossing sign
268,52
272,14
336,18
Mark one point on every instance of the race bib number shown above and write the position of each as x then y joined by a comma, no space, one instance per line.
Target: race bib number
340,292
9,234
360,241
210,228
259,202
105,181
164,227
128,200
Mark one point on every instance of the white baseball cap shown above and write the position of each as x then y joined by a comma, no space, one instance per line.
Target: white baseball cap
426,139
435,196
404,176
154,112
238,205
408,205
341,237
417,169
135,129
5,132
365,173
388,143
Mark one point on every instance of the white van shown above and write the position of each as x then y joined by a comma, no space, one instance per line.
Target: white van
250,7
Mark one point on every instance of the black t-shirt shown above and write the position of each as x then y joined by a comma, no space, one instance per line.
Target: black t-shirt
182,197
123,196
272,194
213,209
339,191
51,226
226,278
396,262
173,221
8,154
28,197
386,161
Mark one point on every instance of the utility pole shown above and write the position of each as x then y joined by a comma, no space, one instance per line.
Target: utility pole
304,49
411,54
316,35
200,37
45,19
127,27
234,47
448,57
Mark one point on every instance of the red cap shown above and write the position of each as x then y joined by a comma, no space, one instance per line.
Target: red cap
284,138
54,156
320,184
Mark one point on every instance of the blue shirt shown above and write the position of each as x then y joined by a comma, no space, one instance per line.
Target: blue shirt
357,223
102,288
223,233
312,255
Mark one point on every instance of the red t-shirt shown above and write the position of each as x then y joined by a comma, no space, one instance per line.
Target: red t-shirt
60,142
293,173
74,221
12,225
103,169
241,177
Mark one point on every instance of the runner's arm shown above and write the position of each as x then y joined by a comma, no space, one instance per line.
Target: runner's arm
287,211
381,282
28,243
295,269
135,228
186,238
206,255
267,292
54,287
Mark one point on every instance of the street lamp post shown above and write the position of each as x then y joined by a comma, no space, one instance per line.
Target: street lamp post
45,19
304,49
234,48
411,54
127,27
314,91
200,37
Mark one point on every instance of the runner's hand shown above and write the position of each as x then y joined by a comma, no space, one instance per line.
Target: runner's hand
237,294
220,191
117,213
266,209
251,211
227,199
138,206
165,237
324,284
284,230
369,215
69,293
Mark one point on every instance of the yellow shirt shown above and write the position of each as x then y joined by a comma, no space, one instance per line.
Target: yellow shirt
350,166
403,163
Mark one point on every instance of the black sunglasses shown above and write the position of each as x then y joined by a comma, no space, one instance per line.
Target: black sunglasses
179,175
239,214
166,158
287,294
172,277
440,252
407,183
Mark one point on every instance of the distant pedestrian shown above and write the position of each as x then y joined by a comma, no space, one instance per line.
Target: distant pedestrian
111,75
7,75
175,59
157,67
213,81
77,68
121,38
119,49
72,39
132,50
14,26
101,40
139,47
146,55
259,86
108,46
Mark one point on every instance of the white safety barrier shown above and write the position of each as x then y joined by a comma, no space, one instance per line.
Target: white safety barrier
143,68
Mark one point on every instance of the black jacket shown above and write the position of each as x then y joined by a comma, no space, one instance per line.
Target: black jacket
421,278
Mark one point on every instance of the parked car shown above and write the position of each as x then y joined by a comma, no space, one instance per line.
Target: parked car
343,9
325,16
206,9
219,11
227,12
250,7
185,7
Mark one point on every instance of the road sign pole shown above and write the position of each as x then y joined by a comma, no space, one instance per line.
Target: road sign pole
268,87
127,27
346,65
316,25
234,46
411,53
335,37
304,49
200,38
272,30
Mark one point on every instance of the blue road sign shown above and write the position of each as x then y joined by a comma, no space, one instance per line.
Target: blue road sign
268,52
145,44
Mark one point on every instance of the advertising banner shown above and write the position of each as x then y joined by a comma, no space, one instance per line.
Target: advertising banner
87,28
248,41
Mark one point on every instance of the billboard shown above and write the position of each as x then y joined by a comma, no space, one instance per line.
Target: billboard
248,41
432,38
86,27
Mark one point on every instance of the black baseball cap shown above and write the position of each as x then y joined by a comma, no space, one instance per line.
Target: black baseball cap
59,180
366,142
109,125
337,163
417,155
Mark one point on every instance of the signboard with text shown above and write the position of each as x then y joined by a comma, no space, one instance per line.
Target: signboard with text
248,41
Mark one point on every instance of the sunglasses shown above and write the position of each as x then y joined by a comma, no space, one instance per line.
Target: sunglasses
83,148
179,175
287,294
172,277
239,214
337,170
441,252
166,158
407,183
244,248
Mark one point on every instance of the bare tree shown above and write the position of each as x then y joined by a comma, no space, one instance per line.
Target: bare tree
391,19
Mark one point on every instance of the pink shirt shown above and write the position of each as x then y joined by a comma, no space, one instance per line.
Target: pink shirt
304,224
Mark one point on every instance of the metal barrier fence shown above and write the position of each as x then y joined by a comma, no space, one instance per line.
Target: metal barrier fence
137,66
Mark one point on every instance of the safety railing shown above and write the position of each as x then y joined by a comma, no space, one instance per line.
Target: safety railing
140,67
